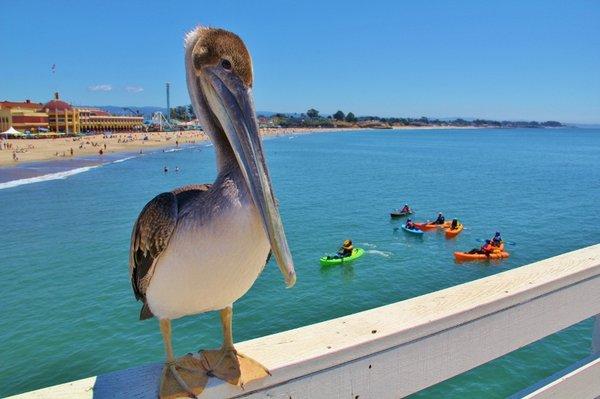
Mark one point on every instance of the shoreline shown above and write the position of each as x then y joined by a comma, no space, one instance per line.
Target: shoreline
46,150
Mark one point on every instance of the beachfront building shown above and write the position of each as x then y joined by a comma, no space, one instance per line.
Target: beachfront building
59,116
69,119
96,120
62,117
5,119
24,116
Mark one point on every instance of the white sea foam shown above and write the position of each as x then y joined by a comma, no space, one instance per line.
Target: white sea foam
368,245
173,149
385,254
48,177
122,160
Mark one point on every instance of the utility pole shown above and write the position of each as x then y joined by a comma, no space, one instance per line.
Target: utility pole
168,102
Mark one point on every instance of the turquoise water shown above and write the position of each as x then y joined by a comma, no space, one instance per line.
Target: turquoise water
67,310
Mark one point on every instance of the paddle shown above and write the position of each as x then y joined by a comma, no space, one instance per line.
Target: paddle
506,242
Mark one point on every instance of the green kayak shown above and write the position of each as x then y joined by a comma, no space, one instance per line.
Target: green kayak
330,260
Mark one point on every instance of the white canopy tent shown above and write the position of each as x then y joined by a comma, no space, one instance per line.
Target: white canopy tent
12,132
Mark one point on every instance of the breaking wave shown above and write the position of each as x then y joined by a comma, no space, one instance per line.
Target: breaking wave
122,160
48,177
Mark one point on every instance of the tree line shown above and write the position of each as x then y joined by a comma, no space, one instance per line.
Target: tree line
312,118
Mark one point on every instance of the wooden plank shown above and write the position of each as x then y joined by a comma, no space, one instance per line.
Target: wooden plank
401,348
580,381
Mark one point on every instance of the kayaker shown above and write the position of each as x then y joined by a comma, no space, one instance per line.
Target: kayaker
345,249
410,224
485,249
497,240
440,219
405,209
454,225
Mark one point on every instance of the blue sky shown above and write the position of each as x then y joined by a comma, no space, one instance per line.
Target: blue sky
507,60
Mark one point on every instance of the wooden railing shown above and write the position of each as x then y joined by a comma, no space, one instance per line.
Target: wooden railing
399,349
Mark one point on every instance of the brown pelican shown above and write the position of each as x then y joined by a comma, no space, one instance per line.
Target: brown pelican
200,248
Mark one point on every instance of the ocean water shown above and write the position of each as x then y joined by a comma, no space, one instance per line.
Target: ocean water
66,306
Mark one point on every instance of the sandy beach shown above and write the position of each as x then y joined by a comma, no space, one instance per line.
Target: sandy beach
28,150
16,151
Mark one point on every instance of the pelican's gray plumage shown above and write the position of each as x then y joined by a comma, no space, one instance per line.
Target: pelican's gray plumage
201,247
151,234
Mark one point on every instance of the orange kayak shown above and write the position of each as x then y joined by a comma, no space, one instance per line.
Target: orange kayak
465,257
432,226
450,233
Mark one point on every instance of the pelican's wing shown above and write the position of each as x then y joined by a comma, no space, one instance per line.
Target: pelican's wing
150,236
188,193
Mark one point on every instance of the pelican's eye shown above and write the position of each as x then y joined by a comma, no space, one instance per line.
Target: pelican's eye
226,64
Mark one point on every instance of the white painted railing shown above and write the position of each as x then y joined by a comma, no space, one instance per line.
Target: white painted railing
399,349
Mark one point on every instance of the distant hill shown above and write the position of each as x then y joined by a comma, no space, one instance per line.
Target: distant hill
147,111
585,125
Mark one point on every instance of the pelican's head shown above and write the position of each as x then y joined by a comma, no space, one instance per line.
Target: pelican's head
219,79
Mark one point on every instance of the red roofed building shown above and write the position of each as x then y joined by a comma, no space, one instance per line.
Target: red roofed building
27,104
61,117
23,116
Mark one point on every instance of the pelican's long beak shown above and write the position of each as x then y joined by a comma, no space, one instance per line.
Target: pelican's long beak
231,102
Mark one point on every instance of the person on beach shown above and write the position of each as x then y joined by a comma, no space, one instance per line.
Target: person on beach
440,219
485,249
346,249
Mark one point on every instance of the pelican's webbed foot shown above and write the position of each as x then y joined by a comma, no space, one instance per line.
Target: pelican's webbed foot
185,376
229,365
